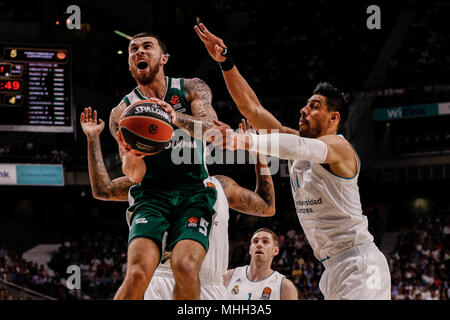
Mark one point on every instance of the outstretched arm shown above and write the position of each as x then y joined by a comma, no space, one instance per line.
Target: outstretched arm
102,186
243,95
331,149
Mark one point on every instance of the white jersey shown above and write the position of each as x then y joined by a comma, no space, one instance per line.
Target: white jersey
241,287
216,260
329,208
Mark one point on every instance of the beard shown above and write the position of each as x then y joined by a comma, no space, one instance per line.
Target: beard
310,132
145,78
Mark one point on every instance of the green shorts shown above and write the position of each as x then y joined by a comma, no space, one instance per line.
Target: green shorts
182,212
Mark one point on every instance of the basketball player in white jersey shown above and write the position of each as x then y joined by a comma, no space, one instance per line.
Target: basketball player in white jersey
229,194
258,281
324,170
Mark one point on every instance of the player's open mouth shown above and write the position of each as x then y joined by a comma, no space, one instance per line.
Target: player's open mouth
142,65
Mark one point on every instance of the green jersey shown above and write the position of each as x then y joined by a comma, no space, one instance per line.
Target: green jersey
183,161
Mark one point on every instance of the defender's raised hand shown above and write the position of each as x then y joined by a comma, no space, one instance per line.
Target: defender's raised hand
89,123
213,44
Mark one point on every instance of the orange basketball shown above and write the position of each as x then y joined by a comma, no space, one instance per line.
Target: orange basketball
146,127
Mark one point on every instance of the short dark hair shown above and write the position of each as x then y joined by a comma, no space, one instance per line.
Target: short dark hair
149,34
273,234
336,99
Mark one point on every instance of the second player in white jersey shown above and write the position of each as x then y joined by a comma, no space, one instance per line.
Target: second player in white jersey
258,281
242,288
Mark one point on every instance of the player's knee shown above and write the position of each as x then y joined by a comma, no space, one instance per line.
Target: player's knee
136,276
185,269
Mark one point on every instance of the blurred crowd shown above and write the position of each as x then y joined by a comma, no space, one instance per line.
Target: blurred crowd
15,269
419,264
102,261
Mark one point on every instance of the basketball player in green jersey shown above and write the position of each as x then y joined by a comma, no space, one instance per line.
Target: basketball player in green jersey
170,205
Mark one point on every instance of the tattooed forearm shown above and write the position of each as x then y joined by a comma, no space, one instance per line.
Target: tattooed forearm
102,186
264,185
195,126
251,203
200,98
113,127
247,201
114,118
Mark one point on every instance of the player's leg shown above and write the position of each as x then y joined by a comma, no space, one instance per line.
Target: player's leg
189,239
187,257
145,240
142,259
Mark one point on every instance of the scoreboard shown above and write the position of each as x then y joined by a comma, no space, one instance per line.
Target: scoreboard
35,89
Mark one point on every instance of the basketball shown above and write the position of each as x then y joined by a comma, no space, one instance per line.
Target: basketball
146,127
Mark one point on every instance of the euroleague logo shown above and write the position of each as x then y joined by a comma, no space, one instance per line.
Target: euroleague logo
266,293
192,222
174,100
210,185
153,129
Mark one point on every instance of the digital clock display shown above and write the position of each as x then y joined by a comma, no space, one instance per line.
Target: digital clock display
10,85
35,89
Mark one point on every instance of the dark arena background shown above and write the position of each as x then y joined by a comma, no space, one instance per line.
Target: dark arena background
396,78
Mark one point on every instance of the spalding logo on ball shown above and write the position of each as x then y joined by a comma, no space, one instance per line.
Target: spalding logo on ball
146,127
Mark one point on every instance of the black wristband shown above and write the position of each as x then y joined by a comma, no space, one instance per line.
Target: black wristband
227,64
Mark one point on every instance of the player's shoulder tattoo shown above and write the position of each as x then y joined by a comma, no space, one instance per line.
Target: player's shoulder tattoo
199,95
197,88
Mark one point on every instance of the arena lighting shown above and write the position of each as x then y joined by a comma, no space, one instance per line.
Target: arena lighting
421,205
119,52
124,35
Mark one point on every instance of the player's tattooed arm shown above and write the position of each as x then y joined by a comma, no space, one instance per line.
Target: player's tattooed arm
260,203
200,97
102,186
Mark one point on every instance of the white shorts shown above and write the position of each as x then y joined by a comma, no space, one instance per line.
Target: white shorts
361,273
161,288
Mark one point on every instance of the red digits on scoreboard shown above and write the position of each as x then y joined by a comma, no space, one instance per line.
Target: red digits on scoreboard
16,85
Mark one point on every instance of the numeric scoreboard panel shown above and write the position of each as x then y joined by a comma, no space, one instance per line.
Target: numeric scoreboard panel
35,89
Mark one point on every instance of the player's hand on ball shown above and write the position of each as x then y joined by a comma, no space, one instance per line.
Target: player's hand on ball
167,108
213,44
126,148
89,123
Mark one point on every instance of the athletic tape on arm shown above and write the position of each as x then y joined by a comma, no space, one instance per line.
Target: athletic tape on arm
289,146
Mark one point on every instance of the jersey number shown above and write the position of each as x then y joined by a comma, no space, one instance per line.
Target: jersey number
203,227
